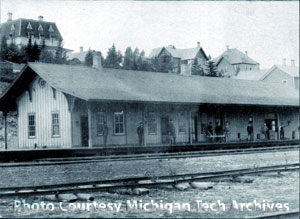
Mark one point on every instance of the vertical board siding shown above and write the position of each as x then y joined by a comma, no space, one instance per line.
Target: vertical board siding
43,104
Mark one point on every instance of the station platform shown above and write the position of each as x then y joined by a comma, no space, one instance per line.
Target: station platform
21,155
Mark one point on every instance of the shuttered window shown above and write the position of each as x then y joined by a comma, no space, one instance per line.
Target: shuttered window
55,125
31,125
119,128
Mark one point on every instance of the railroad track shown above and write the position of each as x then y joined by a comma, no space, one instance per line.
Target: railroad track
140,182
174,155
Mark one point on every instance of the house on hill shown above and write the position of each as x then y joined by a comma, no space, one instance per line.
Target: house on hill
284,74
232,61
20,30
67,106
182,58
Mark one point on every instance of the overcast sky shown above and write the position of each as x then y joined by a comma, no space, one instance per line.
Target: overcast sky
269,31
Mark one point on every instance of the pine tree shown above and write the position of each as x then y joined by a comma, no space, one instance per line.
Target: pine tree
212,70
60,55
88,60
163,63
196,68
113,58
28,51
3,48
128,59
35,55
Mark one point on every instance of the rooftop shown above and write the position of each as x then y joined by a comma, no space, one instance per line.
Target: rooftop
235,56
135,86
183,54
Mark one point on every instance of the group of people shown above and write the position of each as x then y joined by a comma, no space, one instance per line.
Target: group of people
219,131
265,131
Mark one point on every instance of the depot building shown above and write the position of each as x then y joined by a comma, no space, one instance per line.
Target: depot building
67,106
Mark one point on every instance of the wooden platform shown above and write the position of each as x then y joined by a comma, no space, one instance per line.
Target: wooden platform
35,154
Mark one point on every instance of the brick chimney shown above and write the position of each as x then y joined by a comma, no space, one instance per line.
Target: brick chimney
40,18
284,61
246,52
81,48
9,16
227,47
97,60
292,62
198,44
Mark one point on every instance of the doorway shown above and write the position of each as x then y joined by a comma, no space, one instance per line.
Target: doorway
194,128
272,128
84,131
164,129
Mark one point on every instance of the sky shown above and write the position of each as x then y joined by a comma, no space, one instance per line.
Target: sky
269,31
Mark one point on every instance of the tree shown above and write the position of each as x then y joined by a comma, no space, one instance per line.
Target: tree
35,55
88,60
128,59
163,63
212,70
28,51
60,55
196,68
3,48
113,58
46,56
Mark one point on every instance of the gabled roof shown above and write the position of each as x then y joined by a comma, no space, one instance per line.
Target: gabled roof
136,86
235,56
79,55
183,54
254,75
21,28
290,70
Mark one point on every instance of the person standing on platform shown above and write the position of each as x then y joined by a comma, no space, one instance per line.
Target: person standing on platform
140,132
249,131
227,131
105,133
172,133
210,131
281,131
218,131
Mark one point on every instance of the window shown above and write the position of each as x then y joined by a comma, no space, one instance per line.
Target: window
55,124
12,27
51,29
119,123
181,122
40,28
29,26
152,123
100,122
31,125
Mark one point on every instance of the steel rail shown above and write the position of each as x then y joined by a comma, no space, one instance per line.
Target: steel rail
105,185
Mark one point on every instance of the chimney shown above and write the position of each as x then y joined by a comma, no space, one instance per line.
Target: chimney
97,60
40,18
81,48
292,62
284,61
246,52
9,16
198,44
227,47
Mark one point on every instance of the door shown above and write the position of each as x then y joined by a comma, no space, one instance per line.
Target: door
164,129
194,128
84,131
272,127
